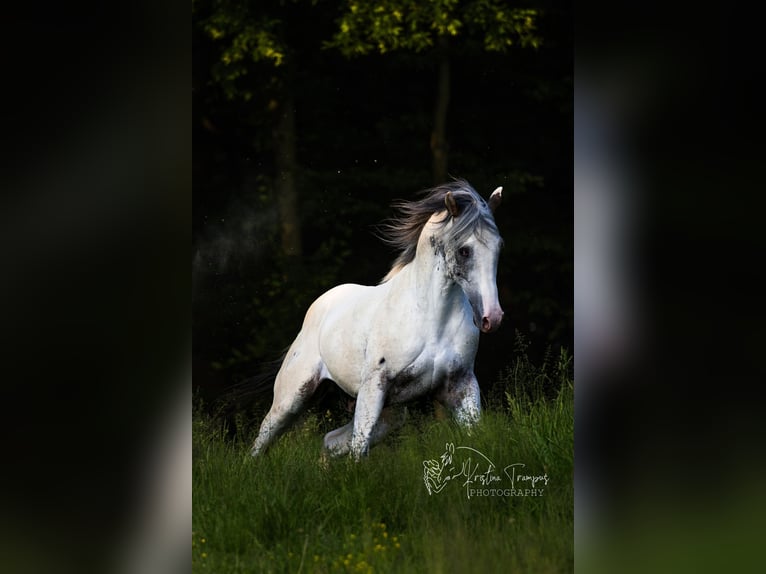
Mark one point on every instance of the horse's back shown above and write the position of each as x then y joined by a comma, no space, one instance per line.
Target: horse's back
336,302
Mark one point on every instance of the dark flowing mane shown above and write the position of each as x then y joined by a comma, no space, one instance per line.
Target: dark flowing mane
402,232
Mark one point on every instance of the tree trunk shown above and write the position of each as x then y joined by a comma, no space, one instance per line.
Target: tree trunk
286,166
439,146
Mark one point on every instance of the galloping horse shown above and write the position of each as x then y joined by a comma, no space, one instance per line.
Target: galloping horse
417,332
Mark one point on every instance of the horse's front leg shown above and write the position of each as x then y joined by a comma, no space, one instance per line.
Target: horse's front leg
369,405
460,394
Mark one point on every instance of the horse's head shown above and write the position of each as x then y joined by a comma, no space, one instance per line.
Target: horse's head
471,247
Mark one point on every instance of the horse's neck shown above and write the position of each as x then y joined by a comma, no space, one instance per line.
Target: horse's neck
425,280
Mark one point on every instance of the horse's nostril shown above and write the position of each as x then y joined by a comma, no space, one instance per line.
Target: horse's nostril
485,324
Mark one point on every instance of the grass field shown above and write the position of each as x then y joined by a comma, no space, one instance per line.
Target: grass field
290,512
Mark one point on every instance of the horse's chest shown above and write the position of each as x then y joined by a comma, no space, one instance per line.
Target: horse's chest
409,383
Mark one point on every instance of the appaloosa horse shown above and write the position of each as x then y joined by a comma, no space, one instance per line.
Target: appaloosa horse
417,332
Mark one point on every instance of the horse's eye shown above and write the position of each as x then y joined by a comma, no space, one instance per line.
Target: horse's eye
464,252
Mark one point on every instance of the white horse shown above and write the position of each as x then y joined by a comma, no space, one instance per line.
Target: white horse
417,332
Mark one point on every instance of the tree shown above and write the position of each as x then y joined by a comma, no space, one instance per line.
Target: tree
248,35
434,27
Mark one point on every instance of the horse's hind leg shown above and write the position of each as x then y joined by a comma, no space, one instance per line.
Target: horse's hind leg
338,442
294,385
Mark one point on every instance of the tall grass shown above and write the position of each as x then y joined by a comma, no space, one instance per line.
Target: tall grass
292,511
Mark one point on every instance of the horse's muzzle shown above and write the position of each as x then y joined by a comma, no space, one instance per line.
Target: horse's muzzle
491,321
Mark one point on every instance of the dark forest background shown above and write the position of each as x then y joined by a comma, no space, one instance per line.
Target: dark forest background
311,117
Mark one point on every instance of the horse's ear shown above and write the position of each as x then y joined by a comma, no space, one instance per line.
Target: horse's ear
451,204
496,199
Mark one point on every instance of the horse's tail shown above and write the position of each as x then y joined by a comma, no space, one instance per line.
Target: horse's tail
252,392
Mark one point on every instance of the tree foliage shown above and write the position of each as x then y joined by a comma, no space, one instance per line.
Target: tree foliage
244,33
252,32
386,25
